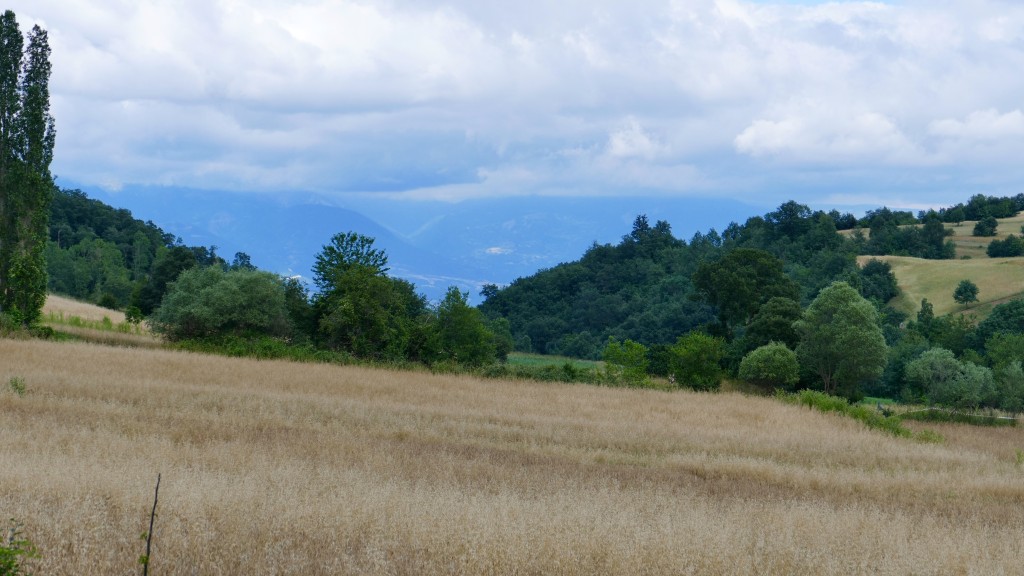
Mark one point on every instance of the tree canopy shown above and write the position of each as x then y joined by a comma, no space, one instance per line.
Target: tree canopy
841,340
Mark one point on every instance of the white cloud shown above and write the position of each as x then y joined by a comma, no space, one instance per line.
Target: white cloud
830,138
982,125
465,98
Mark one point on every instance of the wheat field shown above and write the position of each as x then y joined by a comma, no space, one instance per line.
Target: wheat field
284,468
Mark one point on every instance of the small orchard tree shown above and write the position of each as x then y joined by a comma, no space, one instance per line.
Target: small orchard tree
771,366
625,361
695,361
841,339
966,292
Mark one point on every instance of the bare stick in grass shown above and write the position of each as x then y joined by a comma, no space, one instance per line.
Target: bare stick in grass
144,560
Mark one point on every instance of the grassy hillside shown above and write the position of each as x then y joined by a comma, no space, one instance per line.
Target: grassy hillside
281,468
998,280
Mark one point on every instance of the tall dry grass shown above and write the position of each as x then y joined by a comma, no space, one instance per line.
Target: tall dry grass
281,468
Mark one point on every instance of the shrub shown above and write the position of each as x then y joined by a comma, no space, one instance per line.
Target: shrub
205,302
695,361
13,549
772,366
986,226
1011,246
625,362
949,382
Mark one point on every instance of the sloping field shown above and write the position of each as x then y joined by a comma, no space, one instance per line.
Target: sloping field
998,280
975,247
281,468
96,324
68,307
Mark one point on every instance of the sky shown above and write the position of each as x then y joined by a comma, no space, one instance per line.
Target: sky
905,103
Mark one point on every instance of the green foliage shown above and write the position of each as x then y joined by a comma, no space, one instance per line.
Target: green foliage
625,362
1004,348
695,361
169,264
1007,317
869,416
208,302
27,136
771,366
877,282
345,253
986,227
1010,387
1011,246
944,415
946,381
463,333
892,233
95,250
965,293
774,323
17,386
739,283
13,549
841,340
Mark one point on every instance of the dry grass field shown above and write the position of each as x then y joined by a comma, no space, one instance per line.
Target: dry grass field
68,307
283,468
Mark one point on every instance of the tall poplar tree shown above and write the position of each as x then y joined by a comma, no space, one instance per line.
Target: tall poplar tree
27,136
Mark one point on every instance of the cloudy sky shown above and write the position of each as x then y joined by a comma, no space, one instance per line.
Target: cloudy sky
904,103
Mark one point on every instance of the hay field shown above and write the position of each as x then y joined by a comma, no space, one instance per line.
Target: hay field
282,468
998,280
68,307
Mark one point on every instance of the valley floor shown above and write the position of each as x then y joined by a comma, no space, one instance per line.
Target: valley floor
283,468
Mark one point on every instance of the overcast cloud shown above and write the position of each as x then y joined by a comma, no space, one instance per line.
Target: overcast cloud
907,103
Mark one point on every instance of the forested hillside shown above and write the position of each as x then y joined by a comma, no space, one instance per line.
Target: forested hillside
103,255
643,288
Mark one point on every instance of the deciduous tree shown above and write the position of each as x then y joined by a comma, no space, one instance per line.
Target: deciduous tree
841,340
965,293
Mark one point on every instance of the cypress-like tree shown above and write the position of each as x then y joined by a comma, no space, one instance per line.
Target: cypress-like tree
27,136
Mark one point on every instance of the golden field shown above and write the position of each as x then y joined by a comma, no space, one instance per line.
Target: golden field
284,468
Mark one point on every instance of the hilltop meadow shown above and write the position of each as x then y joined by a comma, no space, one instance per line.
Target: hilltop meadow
273,467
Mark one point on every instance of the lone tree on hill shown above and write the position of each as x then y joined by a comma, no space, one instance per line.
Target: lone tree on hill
965,293
27,135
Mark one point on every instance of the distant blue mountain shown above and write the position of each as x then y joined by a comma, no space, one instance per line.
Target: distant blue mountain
432,244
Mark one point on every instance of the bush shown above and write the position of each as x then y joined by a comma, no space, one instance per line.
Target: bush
986,226
1012,246
946,381
209,302
695,361
625,362
771,366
